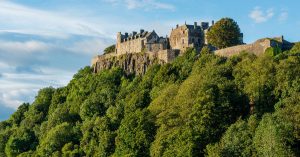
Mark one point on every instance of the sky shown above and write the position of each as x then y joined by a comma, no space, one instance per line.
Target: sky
44,43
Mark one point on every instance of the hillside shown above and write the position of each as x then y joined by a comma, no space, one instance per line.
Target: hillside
198,105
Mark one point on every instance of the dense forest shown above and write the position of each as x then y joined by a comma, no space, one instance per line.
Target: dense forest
198,105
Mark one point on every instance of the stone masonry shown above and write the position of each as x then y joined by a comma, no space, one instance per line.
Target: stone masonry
257,48
164,49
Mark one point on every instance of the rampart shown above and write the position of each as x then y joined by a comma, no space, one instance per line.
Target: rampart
257,48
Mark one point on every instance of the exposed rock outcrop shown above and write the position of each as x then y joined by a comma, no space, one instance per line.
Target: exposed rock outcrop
136,63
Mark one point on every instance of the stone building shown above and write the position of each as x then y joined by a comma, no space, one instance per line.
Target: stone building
181,38
143,41
186,36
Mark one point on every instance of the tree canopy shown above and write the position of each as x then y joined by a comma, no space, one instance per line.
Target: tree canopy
198,105
110,49
224,33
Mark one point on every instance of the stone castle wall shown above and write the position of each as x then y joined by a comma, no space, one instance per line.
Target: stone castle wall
257,48
132,46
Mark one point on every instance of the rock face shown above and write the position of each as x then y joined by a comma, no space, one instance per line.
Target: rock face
136,63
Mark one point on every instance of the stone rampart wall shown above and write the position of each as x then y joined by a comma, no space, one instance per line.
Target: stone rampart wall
257,48
130,46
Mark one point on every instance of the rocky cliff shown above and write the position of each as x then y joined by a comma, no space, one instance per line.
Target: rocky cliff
137,63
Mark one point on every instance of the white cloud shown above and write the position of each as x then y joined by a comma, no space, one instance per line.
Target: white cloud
144,4
259,16
18,88
22,19
23,47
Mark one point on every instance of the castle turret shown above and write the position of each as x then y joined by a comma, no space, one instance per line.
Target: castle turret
119,37
119,40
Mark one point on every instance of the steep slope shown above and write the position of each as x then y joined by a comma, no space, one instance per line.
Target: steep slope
197,105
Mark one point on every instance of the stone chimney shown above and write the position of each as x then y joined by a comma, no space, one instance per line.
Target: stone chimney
204,25
212,22
141,31
134,33
195,25
119,37
177,26
126,35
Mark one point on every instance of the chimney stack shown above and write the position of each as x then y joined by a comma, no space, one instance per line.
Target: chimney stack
141,31
134,33
195,25
177,26
212,22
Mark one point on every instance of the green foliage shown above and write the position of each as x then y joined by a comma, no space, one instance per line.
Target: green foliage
273,51
20,141
56,138
236,141
272,137
224,33
256,78
135,134
200,104
18,116
98,137
296,48
110,49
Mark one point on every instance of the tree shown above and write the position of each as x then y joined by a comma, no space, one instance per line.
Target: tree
273,136
18,116
135,134
56,138
236,141
224,33
20,141
98,139
110,49
256,78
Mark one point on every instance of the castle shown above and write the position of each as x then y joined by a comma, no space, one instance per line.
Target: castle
181,37
163,48
137,51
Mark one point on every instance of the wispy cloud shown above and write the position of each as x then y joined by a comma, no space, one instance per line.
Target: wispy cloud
23,19
23,47
143,4
17,88
283,16
259,15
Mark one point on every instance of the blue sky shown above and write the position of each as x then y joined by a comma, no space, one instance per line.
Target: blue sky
43,43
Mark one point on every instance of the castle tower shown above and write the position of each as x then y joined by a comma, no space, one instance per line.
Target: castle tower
119,40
